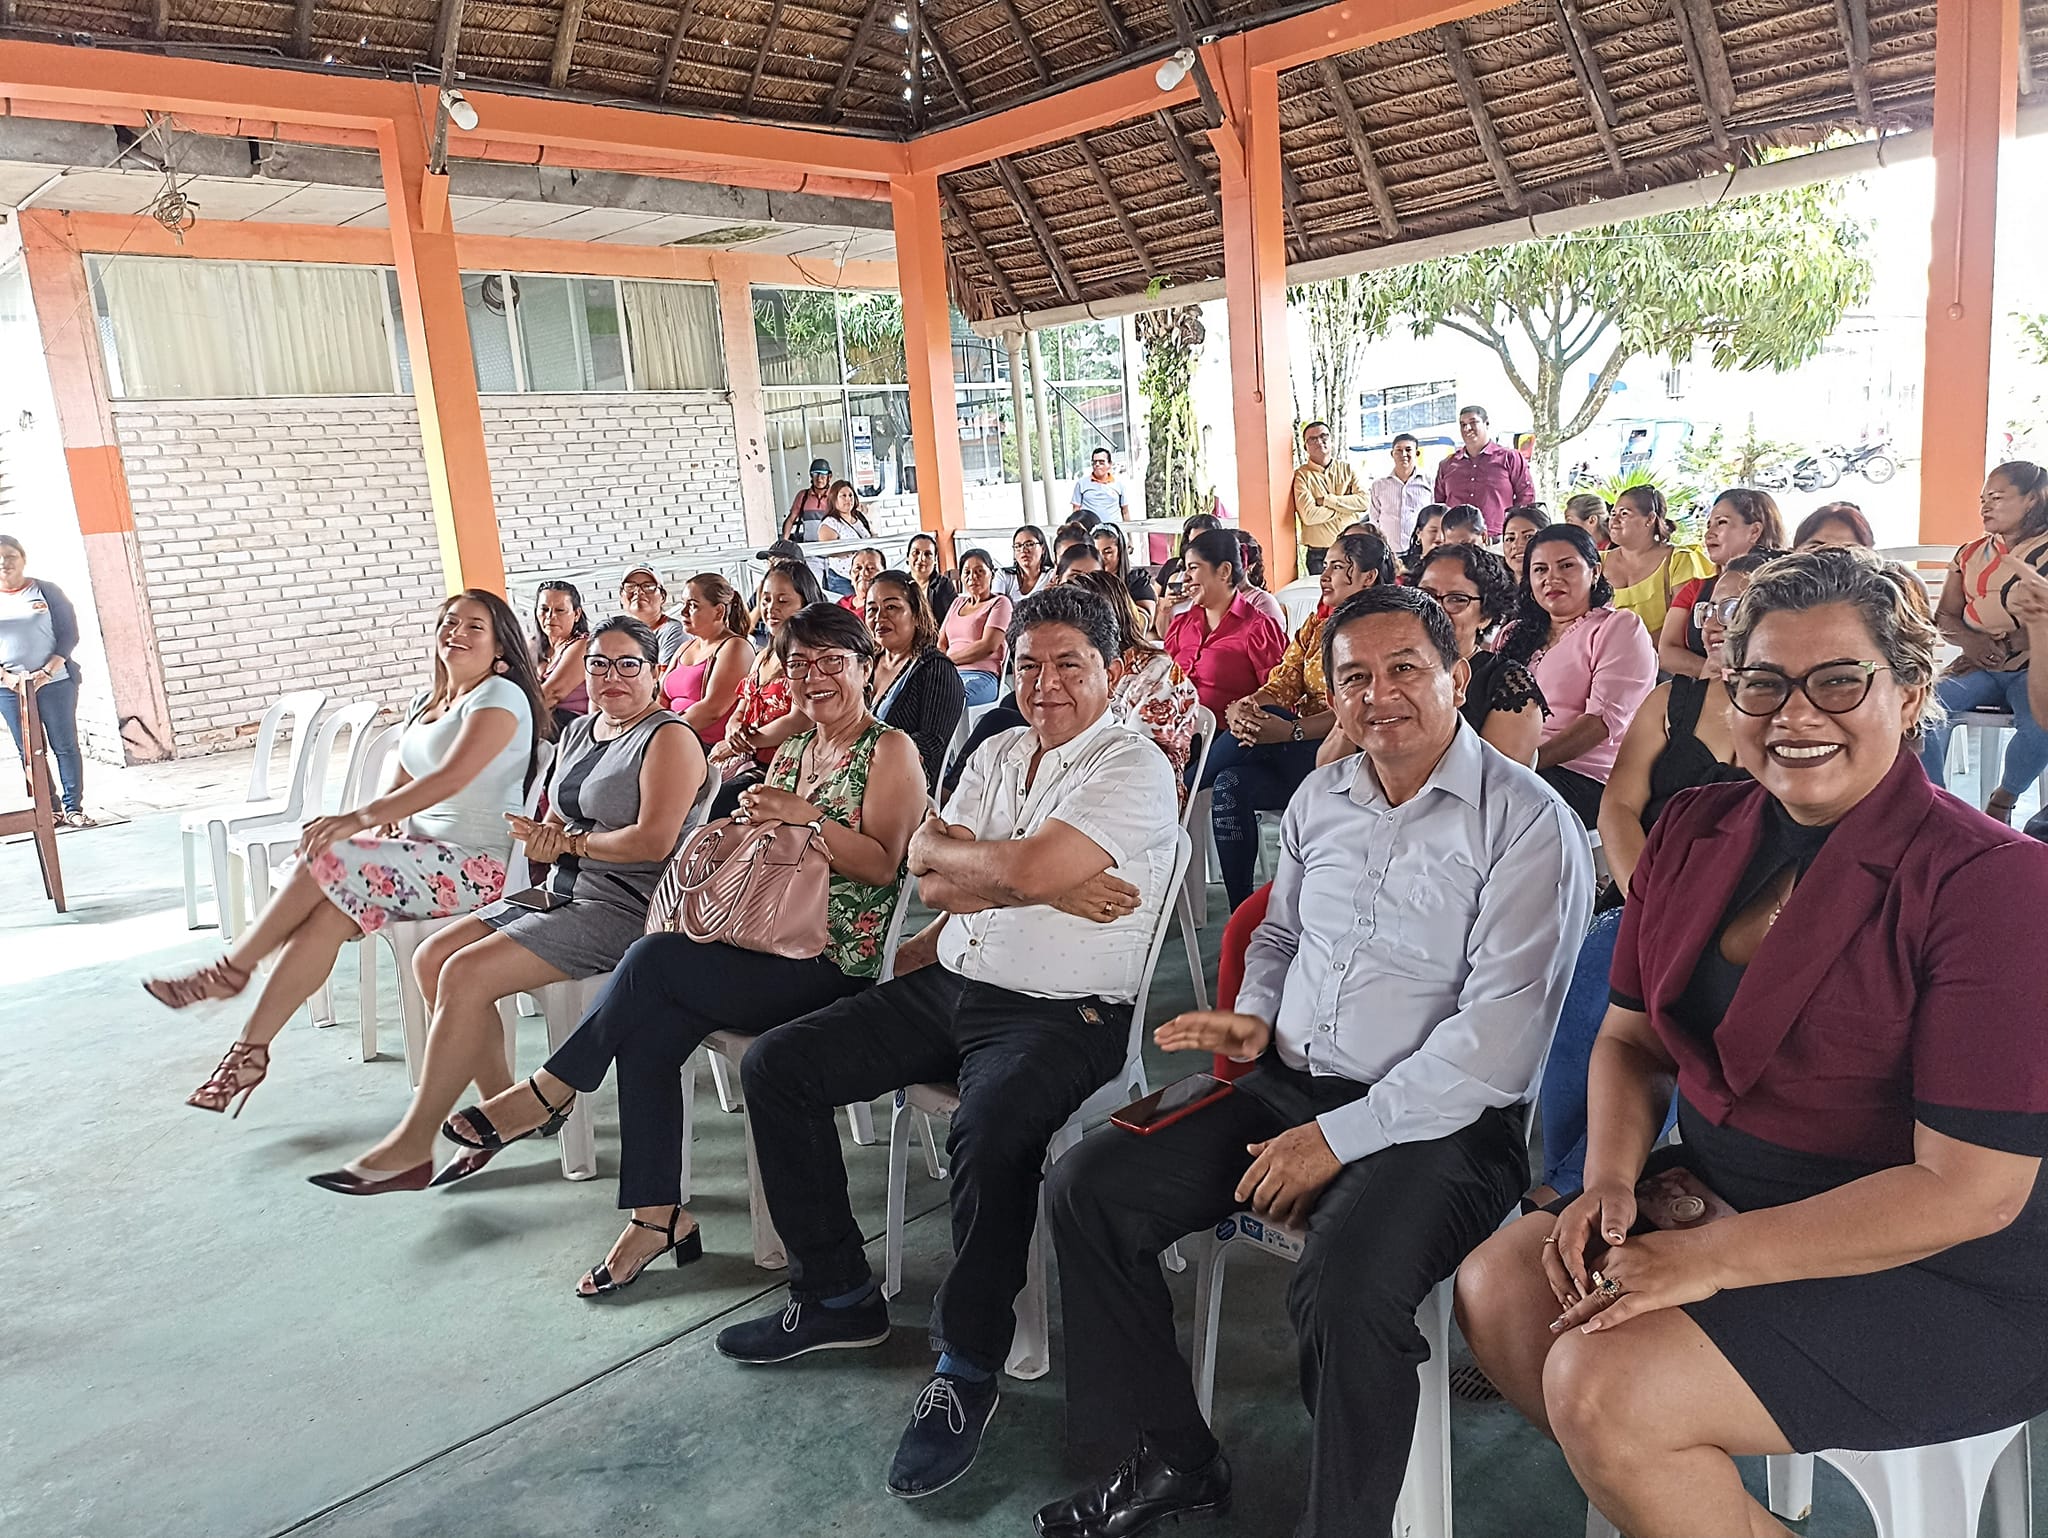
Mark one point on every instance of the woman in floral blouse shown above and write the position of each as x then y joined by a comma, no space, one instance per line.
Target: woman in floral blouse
862,783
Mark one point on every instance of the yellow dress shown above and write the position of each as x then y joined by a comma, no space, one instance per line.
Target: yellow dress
1650,599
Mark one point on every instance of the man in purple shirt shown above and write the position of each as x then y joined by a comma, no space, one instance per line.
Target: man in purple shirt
1489,475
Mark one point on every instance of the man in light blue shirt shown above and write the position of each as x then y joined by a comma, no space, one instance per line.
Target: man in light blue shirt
1099,492
1398,999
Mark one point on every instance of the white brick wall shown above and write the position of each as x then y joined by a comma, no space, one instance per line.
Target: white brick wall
587,483
286,544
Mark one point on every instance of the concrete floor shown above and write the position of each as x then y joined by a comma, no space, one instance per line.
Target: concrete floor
197,1342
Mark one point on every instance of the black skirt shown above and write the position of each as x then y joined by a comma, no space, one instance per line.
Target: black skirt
1952,1346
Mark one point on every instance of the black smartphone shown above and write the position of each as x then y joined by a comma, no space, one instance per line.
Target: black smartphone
1164,1107
537,898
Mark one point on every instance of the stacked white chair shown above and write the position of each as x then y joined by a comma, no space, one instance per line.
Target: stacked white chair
262,803
731,1046
1917,1492
256,853
1030,1354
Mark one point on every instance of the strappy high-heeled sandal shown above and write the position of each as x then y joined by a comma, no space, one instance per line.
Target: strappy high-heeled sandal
453,1129
220,979
686,1249
244,1067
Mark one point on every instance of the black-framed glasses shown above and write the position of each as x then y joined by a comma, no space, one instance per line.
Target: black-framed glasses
831,665
1835,688
597,665
1454,603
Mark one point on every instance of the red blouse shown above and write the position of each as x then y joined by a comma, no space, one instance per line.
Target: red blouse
1232,660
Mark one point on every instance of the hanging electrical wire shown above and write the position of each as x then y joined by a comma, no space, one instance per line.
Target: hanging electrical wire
171,208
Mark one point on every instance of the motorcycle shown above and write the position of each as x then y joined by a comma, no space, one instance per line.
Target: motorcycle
1871,461
1815,472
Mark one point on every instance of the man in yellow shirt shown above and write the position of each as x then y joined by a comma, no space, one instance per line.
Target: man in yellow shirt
1326,495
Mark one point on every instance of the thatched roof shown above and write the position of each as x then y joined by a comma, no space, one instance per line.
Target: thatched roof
1539,104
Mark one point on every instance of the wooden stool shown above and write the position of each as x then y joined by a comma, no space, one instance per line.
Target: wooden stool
40,816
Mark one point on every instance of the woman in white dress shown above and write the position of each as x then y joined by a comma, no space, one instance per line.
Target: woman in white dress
432,846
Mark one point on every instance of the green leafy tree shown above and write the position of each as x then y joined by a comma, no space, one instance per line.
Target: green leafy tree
1343,316
1174,477
1720,461
1759,281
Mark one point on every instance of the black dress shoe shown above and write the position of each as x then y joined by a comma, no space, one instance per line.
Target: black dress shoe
1143,1492
806,1326
943,1436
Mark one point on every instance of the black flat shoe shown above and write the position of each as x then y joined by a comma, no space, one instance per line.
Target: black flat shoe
686,1249
463,1165
1142,1493
355,1180
453,1130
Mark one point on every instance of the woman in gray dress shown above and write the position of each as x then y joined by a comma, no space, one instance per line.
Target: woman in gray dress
625,789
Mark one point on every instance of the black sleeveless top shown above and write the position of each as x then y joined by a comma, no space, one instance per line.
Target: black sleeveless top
1685,761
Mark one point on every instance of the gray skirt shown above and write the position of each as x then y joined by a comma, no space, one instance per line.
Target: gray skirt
585,938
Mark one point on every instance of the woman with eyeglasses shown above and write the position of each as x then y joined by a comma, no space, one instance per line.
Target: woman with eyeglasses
861,783
1593,667
1683,737
644,596
1801,965
1741,521
561,634
628,782
1033,568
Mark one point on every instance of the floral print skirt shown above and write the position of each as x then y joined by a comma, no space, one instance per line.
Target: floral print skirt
376,881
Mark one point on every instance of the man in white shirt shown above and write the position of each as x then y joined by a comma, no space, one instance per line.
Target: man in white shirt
1398,499
1399,997
1049,869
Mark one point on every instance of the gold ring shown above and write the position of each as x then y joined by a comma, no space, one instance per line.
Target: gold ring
1606,1286
1550,1238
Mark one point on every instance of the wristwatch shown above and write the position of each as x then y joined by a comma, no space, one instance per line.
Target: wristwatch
1297,731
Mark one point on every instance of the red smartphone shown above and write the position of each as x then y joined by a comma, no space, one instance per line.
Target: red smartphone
1164,1107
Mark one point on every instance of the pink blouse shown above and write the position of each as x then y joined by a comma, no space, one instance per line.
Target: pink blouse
1604,666
1232,660
965,629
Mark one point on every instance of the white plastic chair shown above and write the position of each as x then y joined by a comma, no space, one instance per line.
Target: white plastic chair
407,935
1030,1351
1191,899
1918,1492
293,715
729,1047
369,772
255,854
564,1005
1299,599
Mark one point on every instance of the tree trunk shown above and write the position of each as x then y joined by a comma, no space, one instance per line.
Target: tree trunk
1172,340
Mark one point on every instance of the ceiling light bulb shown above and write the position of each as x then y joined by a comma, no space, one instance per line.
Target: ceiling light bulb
902,22
1174,70
908,94
459,111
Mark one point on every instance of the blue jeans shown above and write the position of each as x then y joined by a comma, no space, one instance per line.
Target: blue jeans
57,709
1243,783
2026,756
980,687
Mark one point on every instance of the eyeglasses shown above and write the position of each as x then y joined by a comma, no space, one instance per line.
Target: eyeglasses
1722,609
597,665
831,665
1454,603
1835,688
638,589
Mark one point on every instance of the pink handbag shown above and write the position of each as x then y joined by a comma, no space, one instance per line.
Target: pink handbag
760,886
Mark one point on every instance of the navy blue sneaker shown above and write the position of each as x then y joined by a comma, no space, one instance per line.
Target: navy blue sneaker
806,1326
943,1436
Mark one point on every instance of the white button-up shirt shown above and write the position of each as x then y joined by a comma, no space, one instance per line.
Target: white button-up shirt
1423,949
1397,506
1111,784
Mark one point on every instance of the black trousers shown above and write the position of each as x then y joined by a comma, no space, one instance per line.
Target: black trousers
665,996
1386,1231
1023,1064
1313,558
1581,792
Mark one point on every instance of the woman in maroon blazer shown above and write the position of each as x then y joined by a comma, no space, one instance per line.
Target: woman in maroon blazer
1860,1077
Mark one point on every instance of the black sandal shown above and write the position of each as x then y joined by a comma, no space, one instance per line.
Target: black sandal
558,1116
686,1249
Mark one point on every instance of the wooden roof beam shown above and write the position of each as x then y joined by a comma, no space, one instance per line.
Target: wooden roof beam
685,13
302,29
159,18
447,33
1453,45
1585,63
950,205
1290,198
1361,148
1191,168
565,43
1048,243
846,65
1119,35
1107,188
1031,48
761,58
1852,20
1693,42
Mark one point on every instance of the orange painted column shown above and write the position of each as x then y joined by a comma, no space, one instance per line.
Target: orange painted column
99,483
1255,285
928,346
743,387
443,372
1976,80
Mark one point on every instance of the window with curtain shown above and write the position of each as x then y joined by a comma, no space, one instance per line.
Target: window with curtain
180,329
674,331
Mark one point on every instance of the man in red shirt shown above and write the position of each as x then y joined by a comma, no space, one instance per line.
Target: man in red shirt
1489,475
